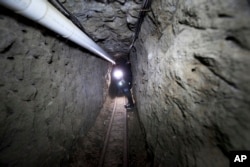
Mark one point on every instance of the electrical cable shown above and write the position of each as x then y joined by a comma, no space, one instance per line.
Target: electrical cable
145,8
68,14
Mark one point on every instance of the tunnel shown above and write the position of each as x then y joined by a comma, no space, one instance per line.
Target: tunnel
190,61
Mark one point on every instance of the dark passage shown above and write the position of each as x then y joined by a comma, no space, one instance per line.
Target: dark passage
190,64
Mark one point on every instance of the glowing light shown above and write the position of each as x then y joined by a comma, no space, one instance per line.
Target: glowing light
118,74
120,83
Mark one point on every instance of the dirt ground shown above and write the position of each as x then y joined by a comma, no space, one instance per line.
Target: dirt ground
87,151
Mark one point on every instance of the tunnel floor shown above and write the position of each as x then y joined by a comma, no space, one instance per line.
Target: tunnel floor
90,149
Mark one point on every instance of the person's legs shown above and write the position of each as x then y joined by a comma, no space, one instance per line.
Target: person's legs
129,97
127,93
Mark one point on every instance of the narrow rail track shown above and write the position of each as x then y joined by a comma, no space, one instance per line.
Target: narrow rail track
115,150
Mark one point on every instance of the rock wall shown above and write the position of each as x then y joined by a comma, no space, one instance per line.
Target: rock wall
109,22
191,70
50,93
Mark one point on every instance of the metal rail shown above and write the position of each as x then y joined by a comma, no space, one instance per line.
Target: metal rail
125,146
107,137
117,125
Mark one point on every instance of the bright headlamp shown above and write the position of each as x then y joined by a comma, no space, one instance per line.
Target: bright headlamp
120,83
118,74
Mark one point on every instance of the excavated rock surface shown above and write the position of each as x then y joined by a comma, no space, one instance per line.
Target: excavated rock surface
192,81
51,90
110,23
50,93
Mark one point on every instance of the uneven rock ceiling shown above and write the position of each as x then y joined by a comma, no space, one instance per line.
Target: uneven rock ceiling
110,24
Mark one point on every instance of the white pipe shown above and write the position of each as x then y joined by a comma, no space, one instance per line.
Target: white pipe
47,15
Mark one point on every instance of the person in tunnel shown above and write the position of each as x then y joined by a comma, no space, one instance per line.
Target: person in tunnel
122,76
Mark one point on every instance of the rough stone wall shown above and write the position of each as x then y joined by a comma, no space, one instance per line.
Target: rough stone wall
109,22
192,80
50,93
